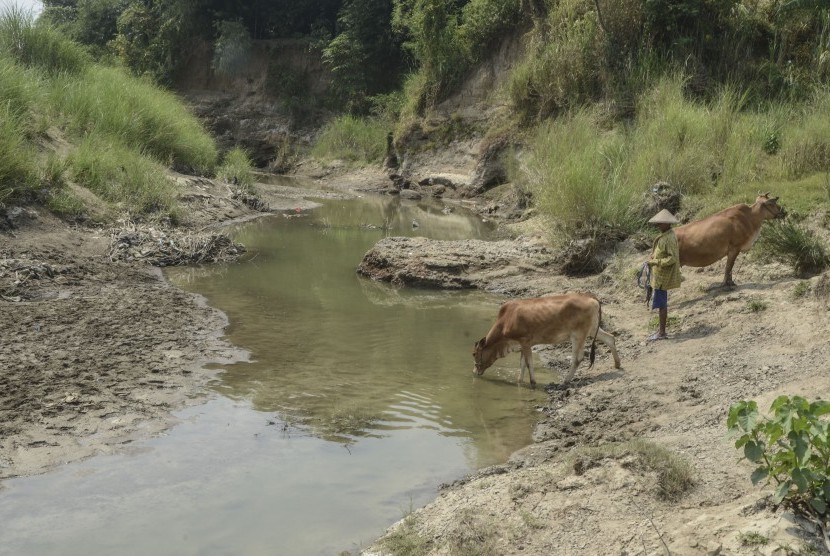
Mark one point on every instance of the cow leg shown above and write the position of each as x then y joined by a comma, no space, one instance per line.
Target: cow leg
730,262
527,360
521,367
609,341
578,345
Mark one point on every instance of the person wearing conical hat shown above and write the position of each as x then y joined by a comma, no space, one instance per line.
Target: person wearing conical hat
665,268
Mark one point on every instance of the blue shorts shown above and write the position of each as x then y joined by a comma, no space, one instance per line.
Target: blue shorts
660,299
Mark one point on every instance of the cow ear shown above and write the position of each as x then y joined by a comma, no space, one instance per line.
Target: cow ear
481,342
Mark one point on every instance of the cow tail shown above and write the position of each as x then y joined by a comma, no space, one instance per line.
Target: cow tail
593,354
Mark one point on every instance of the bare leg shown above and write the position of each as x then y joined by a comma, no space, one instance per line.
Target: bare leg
663,313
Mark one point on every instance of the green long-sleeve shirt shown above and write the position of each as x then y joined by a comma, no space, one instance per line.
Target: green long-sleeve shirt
665,262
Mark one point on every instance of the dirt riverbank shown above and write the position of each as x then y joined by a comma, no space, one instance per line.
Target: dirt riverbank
97,348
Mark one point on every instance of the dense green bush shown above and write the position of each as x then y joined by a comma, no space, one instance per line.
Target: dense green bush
563,68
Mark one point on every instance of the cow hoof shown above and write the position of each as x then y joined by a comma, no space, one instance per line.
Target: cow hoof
533,384
618,365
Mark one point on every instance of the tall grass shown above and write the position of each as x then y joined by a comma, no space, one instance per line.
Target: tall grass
806,138
135,113
20,88
123,175
794,244
128,129
18,165
39,46
356,140
236,169
575,171
589,174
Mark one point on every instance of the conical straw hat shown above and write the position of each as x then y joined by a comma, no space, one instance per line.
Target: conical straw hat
663,217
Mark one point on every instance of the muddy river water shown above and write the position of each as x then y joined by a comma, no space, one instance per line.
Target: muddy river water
357,402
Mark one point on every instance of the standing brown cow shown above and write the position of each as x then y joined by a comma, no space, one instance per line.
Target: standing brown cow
544,320
725,234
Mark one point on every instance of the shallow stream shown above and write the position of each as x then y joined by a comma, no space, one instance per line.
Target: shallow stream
357,403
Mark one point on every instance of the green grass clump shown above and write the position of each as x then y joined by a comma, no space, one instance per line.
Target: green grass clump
794,244
405,540
135,113
675,476
123,175
575,175
18,164
806,141
752,538
356,140
757,305
37,45
236,169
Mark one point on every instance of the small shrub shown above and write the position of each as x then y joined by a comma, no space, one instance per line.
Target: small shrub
236,169
791,449
751,538
801,289
795,245
671,321
756,305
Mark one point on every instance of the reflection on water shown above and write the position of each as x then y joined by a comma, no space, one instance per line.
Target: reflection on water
358,402
348,357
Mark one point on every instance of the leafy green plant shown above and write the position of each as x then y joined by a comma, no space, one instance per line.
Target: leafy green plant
791,449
